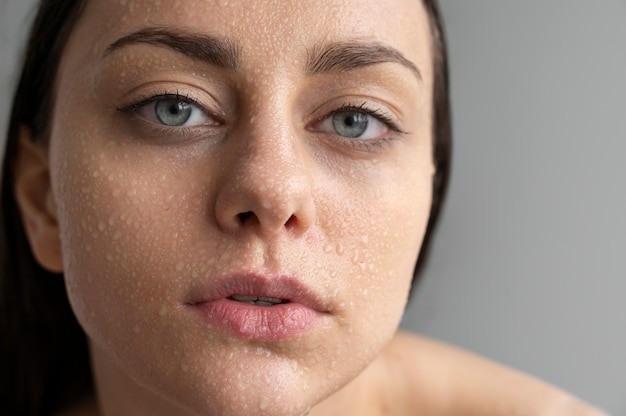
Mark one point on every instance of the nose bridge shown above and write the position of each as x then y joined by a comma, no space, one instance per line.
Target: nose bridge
271,149
269,186
273,170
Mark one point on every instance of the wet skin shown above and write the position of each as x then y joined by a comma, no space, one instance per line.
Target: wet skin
180,178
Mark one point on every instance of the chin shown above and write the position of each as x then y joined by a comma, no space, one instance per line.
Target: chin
240,380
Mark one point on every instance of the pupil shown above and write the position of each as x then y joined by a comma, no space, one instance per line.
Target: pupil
350,124
172,112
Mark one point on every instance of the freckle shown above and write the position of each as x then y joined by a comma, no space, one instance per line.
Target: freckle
339,249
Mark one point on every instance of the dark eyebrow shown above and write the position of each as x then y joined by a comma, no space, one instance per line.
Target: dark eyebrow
346,56
218,52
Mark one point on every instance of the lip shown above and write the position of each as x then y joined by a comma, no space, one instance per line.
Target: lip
302,311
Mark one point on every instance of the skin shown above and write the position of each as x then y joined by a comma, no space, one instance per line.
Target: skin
139,216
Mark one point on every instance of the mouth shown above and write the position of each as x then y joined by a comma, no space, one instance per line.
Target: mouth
259,307
258,300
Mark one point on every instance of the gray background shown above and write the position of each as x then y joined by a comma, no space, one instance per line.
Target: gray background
528,264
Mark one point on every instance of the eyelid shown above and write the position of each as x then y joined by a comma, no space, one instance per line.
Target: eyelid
374,110
146,100
378,113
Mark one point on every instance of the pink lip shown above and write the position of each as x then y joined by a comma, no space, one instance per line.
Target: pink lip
301,311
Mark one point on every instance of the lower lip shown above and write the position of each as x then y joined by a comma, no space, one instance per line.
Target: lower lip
268,323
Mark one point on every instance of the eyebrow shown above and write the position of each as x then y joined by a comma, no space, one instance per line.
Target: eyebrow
323,58
346,56
218,52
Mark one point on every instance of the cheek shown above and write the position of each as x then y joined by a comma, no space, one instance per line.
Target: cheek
374,232
119,221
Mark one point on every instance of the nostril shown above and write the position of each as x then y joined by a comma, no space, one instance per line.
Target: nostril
291,222
245,216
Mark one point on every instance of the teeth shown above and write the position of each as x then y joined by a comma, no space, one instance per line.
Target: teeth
262,303
243,298
258,300
271,300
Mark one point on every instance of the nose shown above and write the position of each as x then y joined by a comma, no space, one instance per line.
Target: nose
266,184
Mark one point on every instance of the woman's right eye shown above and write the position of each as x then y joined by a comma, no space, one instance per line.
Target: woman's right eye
172,111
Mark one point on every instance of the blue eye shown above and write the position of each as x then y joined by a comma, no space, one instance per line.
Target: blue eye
171,111
350,124
356,123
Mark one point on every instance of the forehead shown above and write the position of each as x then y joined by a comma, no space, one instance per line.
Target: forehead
270,32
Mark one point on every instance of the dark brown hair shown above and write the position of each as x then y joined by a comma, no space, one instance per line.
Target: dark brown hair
44,360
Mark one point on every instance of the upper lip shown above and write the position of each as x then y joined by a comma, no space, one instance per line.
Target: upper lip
281,286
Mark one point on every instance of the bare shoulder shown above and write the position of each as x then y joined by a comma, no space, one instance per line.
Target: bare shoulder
435,378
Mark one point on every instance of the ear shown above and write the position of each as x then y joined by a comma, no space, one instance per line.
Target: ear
35,200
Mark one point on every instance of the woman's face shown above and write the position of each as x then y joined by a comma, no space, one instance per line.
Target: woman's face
241,190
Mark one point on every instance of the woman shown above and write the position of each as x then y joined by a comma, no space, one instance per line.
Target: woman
233,195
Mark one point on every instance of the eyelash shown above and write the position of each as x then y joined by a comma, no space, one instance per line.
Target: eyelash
363,108
162,96
379,114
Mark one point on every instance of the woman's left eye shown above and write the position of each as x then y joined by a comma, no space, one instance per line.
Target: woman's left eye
172,111
354,124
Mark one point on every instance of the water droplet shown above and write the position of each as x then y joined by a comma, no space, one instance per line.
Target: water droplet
355,258
264,403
